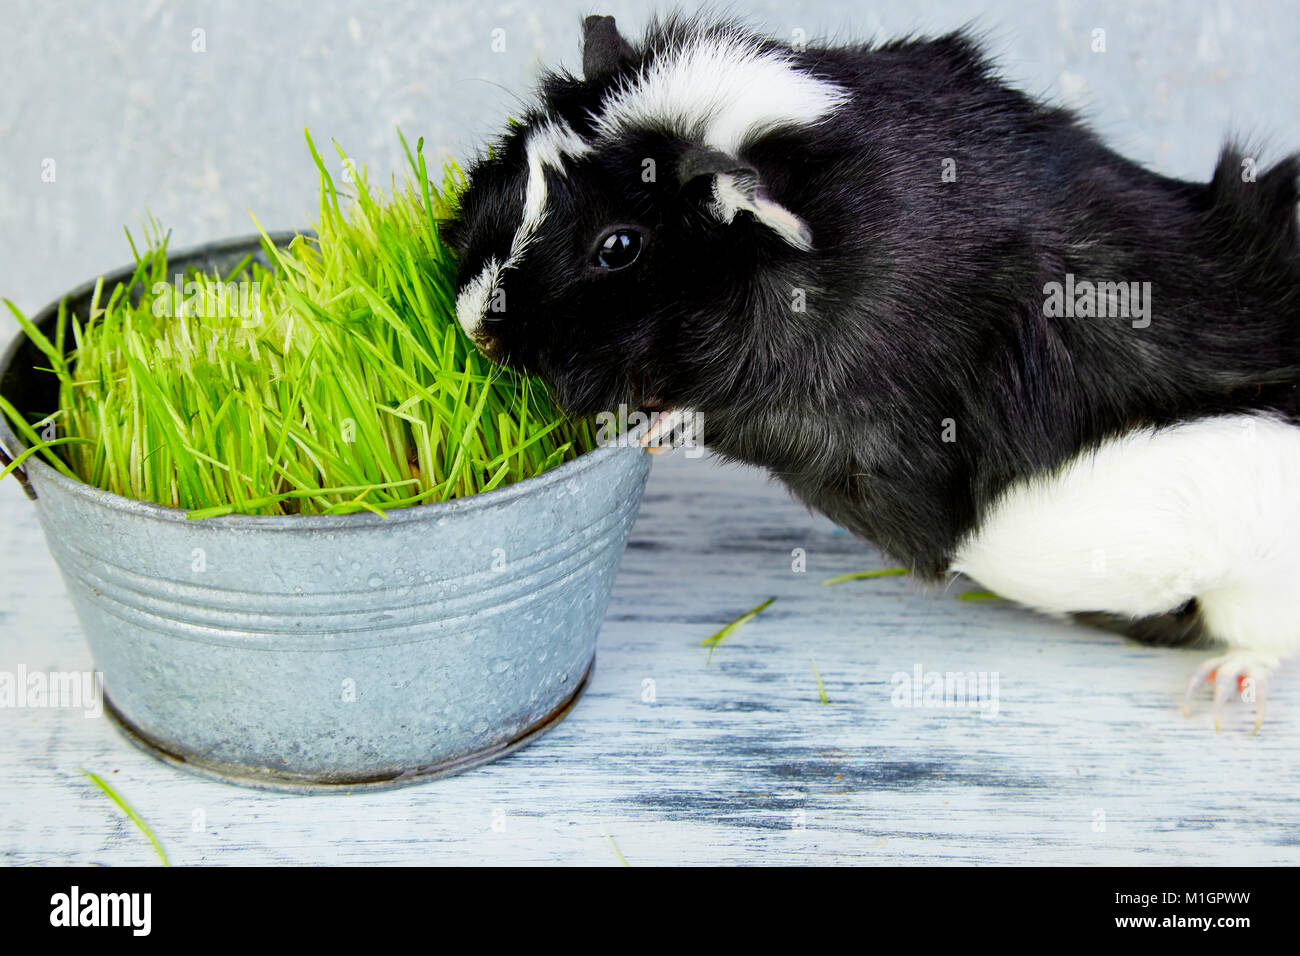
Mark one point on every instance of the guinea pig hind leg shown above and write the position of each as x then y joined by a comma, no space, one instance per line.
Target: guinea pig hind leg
1201,516
1182,627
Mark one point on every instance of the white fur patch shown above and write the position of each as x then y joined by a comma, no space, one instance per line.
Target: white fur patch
1208,510
718,91
721,91
472,303
547,147
729,199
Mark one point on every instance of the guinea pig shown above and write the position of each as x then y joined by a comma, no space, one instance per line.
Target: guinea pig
941,312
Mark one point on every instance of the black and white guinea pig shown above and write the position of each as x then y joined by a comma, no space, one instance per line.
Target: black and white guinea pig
943,313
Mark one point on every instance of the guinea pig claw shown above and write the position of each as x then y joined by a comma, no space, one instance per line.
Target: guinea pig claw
658,438
1240,672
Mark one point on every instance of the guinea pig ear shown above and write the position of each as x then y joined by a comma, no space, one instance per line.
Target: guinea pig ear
737,186
604,51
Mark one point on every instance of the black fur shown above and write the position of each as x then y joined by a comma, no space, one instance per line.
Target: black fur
1183,627
925,298
604,51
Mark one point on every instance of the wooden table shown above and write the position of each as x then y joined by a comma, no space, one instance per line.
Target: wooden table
673,759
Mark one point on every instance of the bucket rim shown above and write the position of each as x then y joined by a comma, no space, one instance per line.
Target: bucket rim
49,476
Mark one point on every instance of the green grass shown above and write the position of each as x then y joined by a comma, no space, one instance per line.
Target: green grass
614,846
821,688
896,572
712,643
126,808
865,575
338,381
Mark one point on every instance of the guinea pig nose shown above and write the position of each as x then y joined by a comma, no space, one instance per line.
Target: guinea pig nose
489,346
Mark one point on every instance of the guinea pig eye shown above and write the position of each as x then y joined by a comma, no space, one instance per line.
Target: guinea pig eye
617,249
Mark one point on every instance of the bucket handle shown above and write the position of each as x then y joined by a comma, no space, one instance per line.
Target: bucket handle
19,473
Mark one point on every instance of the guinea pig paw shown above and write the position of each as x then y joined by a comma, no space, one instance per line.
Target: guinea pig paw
653,440
669,429
1243,669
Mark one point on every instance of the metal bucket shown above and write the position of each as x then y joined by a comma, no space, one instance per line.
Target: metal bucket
334,652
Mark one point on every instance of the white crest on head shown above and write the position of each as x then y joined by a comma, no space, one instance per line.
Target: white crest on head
720,90
547,148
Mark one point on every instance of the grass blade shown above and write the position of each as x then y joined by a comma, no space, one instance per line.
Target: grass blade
130,812
865,575
712,643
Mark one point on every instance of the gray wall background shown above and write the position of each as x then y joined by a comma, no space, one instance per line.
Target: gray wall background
136,120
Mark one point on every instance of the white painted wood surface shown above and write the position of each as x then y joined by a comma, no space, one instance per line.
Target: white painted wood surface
735,761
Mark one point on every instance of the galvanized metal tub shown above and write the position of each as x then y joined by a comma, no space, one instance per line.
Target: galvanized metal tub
334,653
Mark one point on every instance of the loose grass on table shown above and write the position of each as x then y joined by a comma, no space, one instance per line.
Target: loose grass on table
712,643
338,381
130,811
865,575
821,687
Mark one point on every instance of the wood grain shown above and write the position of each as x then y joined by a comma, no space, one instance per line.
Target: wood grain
734,761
